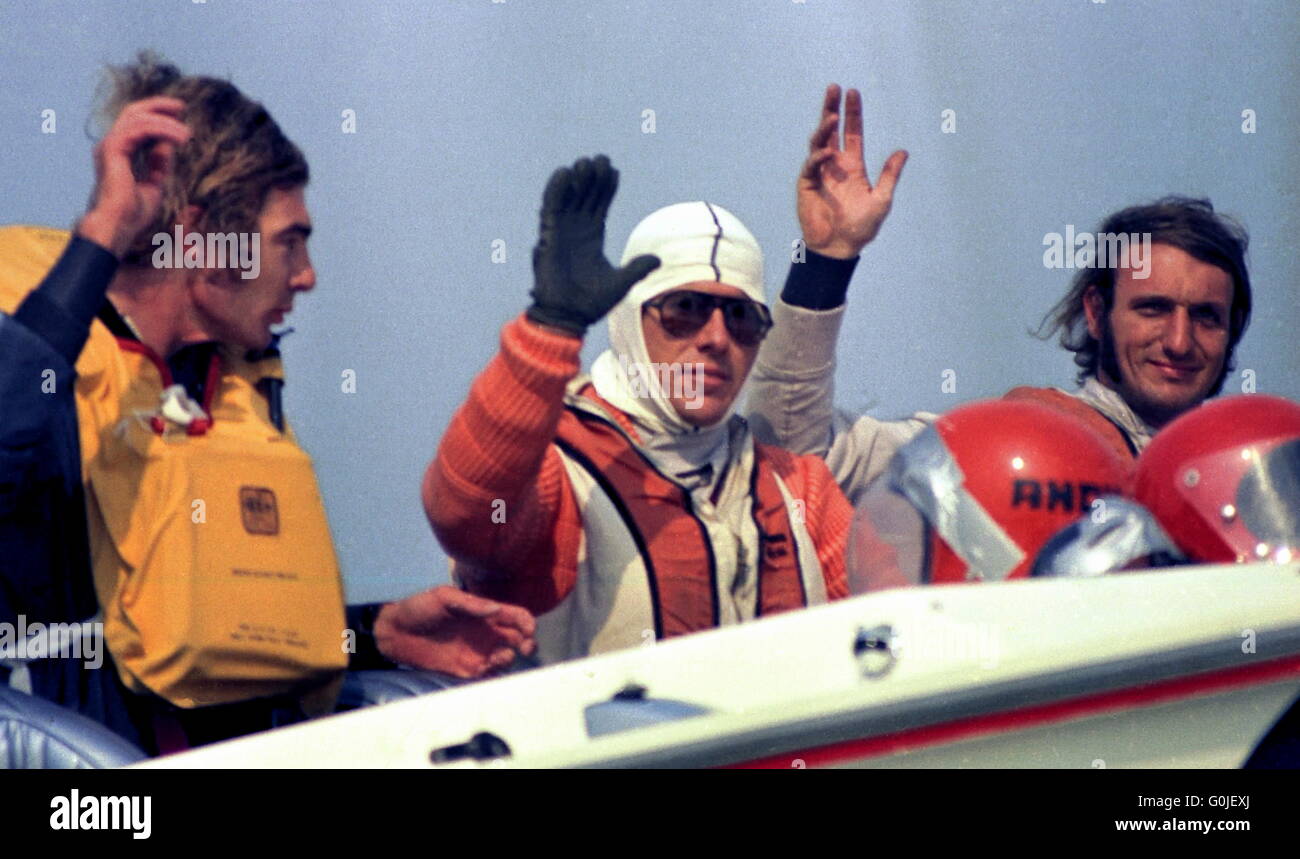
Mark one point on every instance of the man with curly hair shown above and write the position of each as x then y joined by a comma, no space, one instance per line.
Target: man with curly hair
148,478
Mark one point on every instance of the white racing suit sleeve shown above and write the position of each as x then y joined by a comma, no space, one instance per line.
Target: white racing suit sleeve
791,400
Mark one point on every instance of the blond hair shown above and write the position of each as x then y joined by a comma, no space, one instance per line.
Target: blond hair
235,156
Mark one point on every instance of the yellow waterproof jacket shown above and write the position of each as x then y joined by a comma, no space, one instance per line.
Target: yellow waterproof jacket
211,553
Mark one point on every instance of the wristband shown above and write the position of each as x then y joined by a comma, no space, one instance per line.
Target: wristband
819,282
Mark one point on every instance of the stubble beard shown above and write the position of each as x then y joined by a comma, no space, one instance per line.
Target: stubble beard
1156,414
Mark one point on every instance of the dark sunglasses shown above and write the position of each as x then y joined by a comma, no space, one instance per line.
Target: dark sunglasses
684,312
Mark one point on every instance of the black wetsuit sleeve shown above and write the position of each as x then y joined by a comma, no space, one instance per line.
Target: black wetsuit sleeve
61,309
819,282
45,568
361,621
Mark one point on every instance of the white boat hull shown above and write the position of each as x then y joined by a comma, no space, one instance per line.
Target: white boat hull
1174,668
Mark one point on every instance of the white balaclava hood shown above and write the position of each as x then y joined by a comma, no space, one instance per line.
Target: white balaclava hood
694,242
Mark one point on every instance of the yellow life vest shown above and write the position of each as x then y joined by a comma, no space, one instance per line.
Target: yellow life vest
211,552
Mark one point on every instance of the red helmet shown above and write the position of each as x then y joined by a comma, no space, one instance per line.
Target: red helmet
1224,479
975,495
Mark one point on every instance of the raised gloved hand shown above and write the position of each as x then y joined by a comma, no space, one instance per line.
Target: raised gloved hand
574,285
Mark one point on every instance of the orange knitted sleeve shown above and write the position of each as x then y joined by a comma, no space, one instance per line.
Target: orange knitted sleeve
829,518
497,494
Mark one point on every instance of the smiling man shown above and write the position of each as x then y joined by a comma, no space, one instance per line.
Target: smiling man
149,483
1175,334
621,515
1149,348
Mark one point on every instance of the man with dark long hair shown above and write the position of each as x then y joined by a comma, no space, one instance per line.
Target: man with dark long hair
1150,343
1165,342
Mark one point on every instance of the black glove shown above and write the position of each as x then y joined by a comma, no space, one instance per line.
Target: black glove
574,285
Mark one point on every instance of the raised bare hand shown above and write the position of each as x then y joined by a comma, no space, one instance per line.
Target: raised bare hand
839,209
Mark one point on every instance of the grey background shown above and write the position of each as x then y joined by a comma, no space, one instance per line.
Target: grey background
1066,110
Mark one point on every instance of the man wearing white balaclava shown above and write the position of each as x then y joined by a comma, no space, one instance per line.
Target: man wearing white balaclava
694,242
632,504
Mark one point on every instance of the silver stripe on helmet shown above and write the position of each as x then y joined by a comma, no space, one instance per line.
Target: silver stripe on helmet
925,472
1116,533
